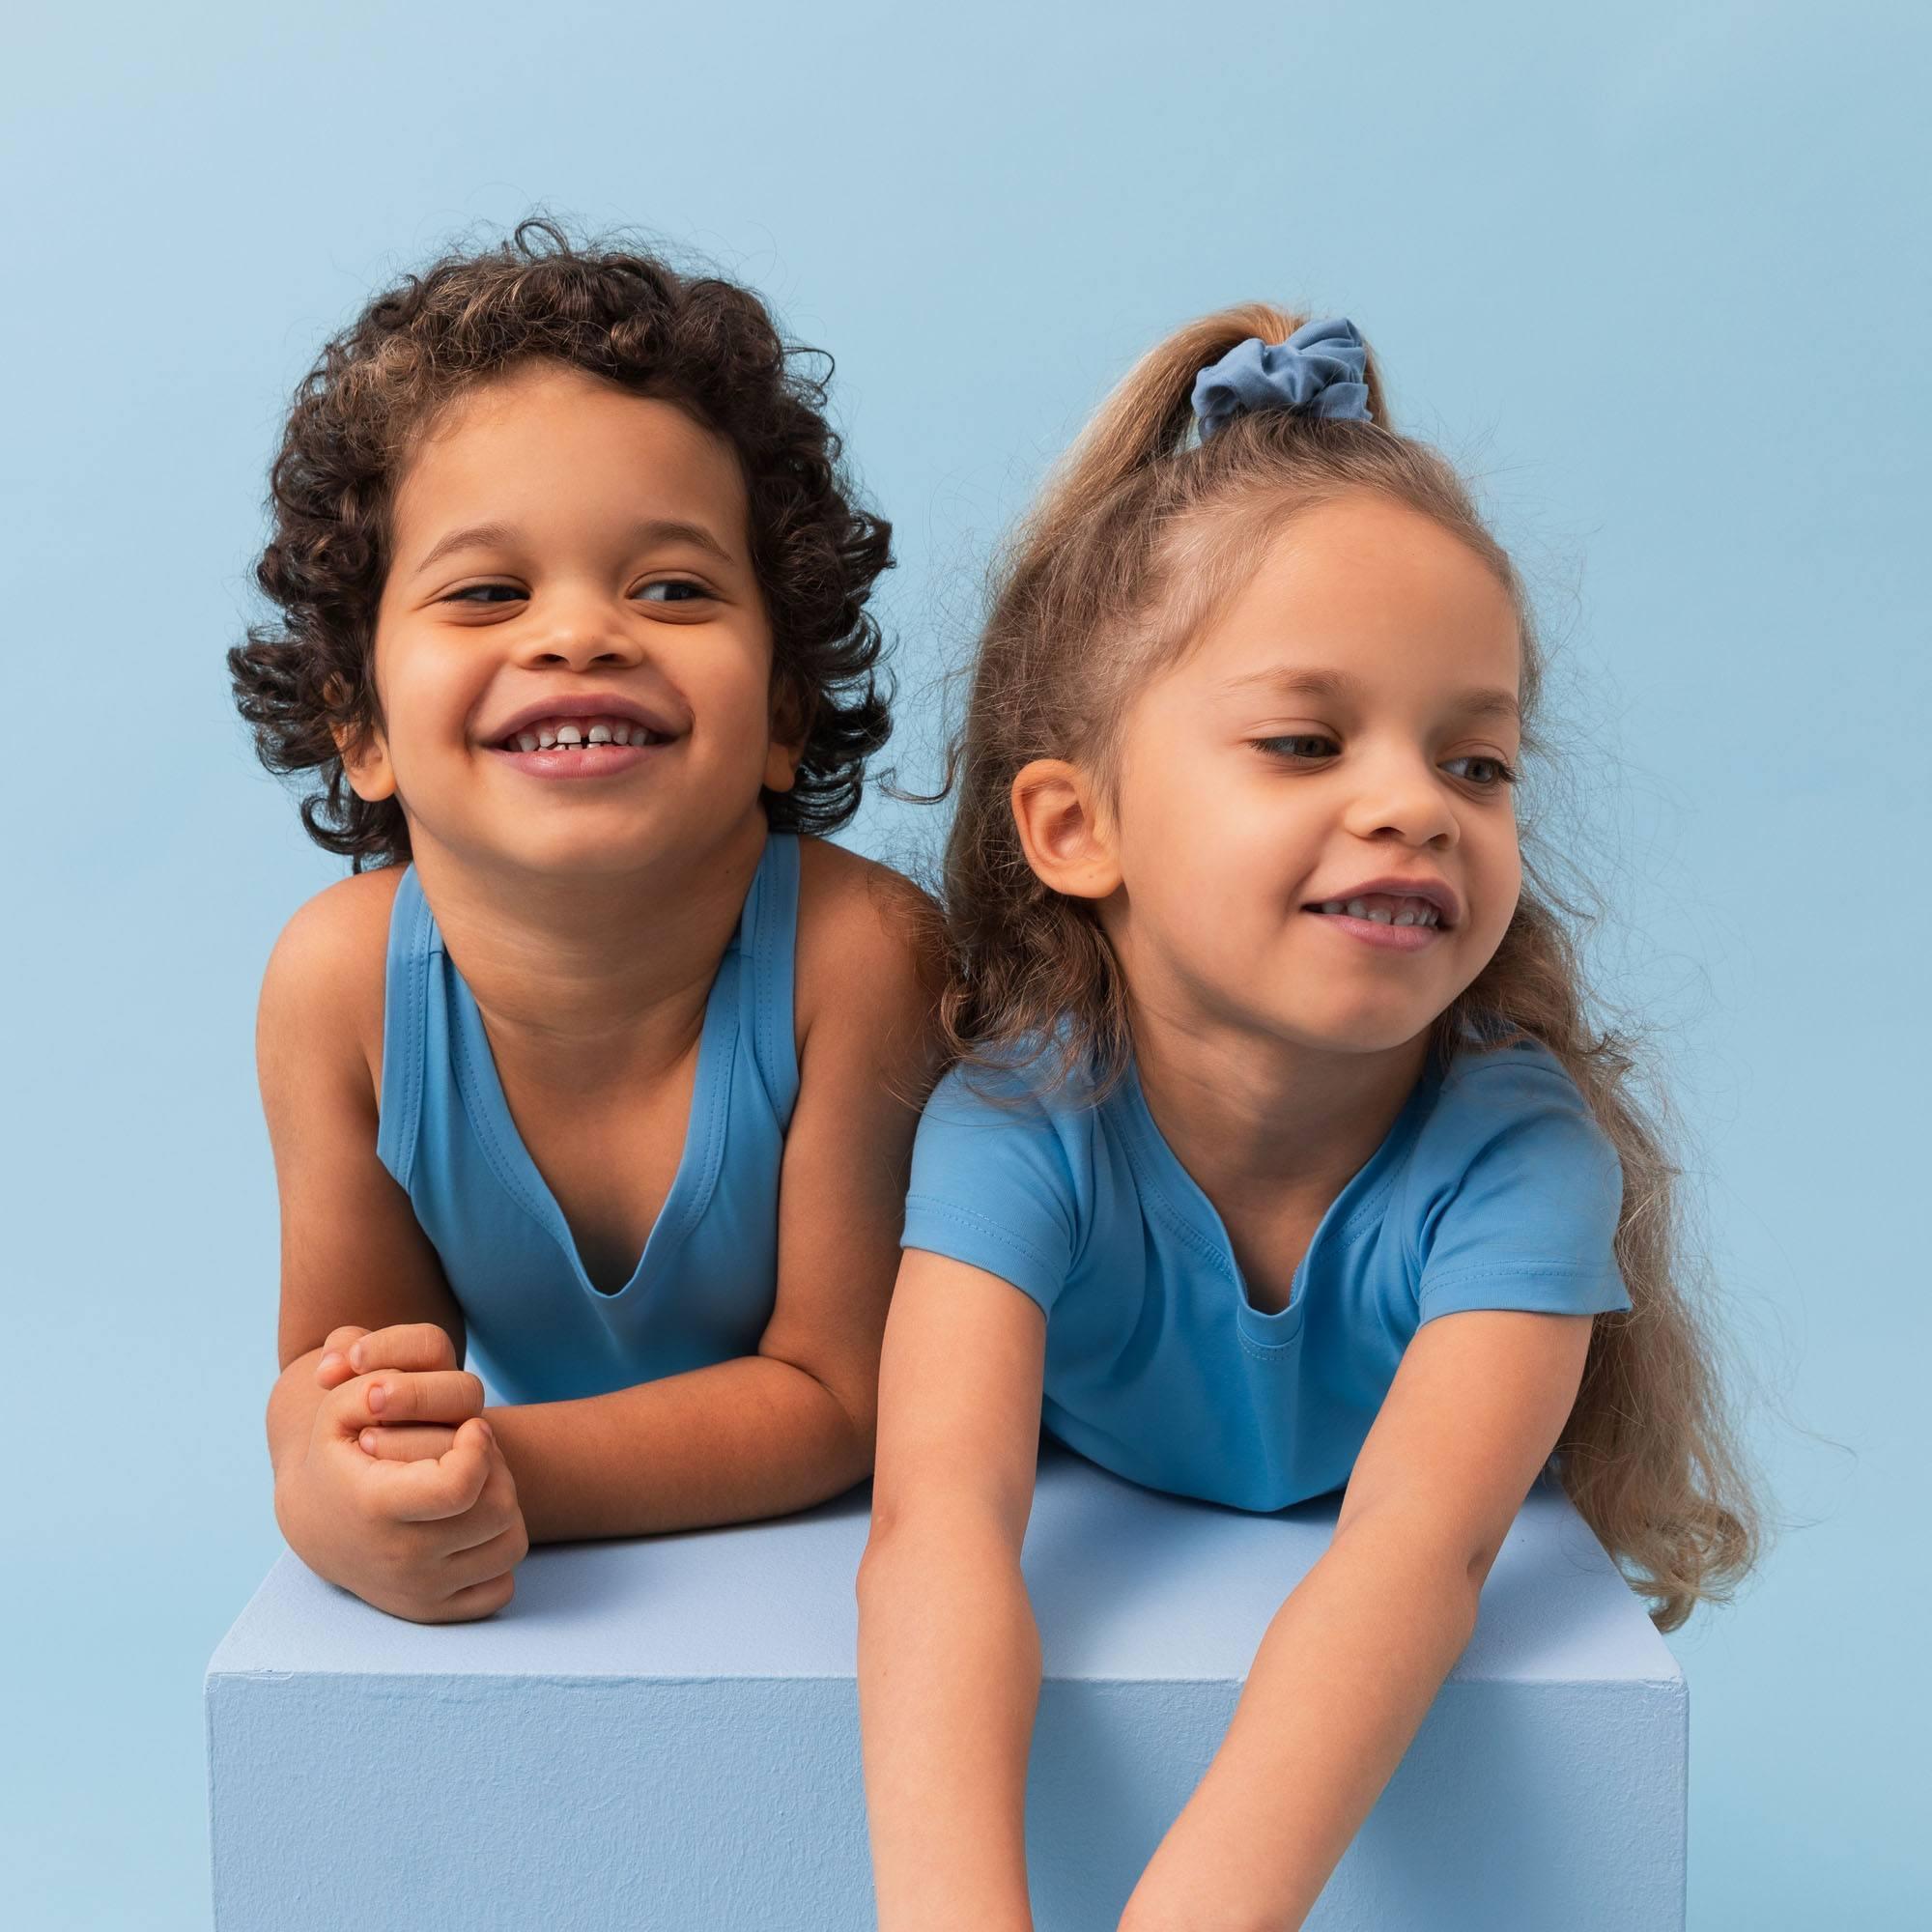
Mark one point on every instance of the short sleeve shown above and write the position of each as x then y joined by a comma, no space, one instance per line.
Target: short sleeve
991,1184
1530,1218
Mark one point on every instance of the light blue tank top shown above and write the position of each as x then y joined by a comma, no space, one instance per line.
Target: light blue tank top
702,1291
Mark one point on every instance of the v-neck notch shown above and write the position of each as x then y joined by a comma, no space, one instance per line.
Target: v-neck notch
696,1172
1183,1205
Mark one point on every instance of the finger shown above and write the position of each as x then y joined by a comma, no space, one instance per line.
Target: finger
428,1492
492,1512
503,1551
333,1370
449,1396
408,1345
407,1442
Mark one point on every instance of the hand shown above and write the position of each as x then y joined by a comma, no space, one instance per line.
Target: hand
414,1349
431,1537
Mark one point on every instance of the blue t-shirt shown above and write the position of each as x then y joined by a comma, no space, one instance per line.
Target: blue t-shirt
1494,1189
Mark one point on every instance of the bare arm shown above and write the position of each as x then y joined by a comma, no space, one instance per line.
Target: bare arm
434,1541
949,1653
351,1251
1352,1660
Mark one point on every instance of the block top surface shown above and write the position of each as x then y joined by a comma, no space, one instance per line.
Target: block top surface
1126,1584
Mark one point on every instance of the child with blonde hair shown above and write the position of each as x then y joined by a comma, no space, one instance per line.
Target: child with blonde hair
1283,1154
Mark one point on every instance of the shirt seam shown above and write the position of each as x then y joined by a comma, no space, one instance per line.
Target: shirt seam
414,1026
1474,1269
968,1217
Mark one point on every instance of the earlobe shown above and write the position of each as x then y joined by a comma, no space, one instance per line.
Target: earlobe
365,763
787,744
780,767
1062,829
365,757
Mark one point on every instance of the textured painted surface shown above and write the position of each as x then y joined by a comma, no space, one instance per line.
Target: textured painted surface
665,1734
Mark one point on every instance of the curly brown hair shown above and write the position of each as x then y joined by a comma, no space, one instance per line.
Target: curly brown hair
1141,534
702,342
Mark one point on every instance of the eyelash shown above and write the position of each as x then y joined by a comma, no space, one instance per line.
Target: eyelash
1506,773
468,591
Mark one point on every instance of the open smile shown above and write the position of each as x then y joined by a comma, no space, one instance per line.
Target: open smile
580,747
1396,922
583,735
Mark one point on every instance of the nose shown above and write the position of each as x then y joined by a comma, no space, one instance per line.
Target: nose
1403,799
577,633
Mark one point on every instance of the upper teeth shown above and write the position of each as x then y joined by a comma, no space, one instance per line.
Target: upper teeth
1387,910
579,732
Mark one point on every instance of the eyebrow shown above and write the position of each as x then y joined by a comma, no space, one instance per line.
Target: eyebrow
1480,702
490,536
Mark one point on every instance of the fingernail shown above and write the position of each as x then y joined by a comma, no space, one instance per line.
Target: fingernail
379,1397
487,1430
367,1439
355,1358
328,1364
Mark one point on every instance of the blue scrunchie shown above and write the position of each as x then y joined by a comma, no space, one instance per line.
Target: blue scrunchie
1317,372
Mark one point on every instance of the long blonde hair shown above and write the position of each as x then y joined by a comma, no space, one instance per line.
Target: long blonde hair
1139,535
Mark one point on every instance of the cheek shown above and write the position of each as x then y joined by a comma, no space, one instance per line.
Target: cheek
1499,880
431,685
731,684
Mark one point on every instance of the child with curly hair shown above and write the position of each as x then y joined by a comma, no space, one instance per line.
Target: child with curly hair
1283,1155
602,1066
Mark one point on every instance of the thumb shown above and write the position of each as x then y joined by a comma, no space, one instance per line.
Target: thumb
333,1369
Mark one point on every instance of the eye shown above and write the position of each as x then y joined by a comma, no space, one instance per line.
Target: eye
1298,746
1487,774
485,593
673,591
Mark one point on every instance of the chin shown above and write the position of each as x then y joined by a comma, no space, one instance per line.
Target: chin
1358,1033
579,851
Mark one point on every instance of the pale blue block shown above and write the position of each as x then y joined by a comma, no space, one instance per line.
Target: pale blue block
664,1734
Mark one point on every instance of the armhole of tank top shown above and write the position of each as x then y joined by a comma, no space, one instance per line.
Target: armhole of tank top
774,953
405,998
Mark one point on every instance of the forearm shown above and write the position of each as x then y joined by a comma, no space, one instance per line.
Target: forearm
741,1440
949,1680
1343,1679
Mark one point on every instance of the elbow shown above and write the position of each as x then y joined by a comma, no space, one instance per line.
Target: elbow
1447,1572
919,1535
882,1570
858,1438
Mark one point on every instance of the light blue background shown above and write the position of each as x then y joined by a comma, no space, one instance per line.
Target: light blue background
1657,275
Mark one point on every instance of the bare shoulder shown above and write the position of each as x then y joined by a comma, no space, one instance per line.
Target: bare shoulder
869,941
323,990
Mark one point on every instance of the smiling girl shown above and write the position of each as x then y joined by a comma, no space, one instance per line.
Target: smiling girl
568,1078
1282,1155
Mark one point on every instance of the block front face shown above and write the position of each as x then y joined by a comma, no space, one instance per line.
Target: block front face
664,1733
1519,1807
520,1803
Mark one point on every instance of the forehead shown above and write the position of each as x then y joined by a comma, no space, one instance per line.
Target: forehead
1372,587
546,439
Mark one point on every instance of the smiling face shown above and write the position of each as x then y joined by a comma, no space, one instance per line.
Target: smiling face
573,661
1310,837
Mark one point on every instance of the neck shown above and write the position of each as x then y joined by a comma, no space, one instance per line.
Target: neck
589,980
1257,1121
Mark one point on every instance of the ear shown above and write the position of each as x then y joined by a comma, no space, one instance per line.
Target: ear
792,727
364,756
1067,838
